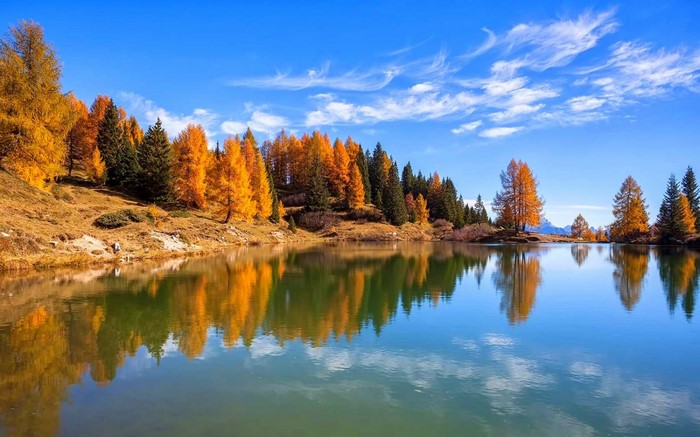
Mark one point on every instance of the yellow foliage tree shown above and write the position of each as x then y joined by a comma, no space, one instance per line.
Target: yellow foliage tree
95,167
78,140
259,182
341,168
629,210
231,185
422,211
518,202
687,216
191,162
355,188
35,115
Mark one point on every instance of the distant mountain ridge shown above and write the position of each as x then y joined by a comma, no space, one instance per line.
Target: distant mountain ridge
548,228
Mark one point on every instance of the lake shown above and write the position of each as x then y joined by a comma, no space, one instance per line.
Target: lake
380,339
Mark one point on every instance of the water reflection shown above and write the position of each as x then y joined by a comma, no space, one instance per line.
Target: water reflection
517,276
84,326
679,270
631,264
580,253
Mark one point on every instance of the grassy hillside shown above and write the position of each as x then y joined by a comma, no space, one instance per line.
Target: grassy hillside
58,228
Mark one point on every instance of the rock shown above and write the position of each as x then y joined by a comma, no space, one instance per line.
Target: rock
5,234
117,247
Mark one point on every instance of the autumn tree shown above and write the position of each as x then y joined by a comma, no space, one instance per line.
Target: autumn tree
259,180
518,201
364,171
77,139
600,235
155,158
410,206
580,229
355,189
422,212
689,186
341,169
629,210
675,219
34,115
232,184
134,132
434,193
191,156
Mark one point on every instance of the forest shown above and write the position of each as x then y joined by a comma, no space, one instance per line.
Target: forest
47,135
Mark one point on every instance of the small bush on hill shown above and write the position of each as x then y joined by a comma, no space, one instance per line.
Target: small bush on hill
366,214
318,220
470,232
180,214
112,220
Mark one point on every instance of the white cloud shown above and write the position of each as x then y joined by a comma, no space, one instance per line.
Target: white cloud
498,132
260,121
635,70
558,43
585,103
319,78
420,88
172,123
514,112
492,339
466,127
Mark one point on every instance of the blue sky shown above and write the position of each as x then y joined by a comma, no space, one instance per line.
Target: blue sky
585,92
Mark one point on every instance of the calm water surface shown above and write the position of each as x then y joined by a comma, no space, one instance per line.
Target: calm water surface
407,339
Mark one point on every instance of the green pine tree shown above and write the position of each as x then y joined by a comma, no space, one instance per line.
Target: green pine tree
377,176
318,190
691,190
126,171
669,221
275,216
155,159
394,204
407,179
109,141
292,225
364,171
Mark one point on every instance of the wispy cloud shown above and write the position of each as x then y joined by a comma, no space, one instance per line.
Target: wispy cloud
525,82
498,132
320,78
467,127
585,103
260,121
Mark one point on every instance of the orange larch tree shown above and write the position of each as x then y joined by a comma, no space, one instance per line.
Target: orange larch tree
341,168
518,202
355,188
629,210
422,213
191,162
232,183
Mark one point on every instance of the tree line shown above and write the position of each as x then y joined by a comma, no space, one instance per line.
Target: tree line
45,134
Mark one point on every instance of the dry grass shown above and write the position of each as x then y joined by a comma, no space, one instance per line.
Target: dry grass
43,230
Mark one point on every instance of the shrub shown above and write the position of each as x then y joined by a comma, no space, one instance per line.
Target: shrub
366,214
137,216
292,225
61,194
180,214
318,220
442,224
470,233
112,220
294,200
